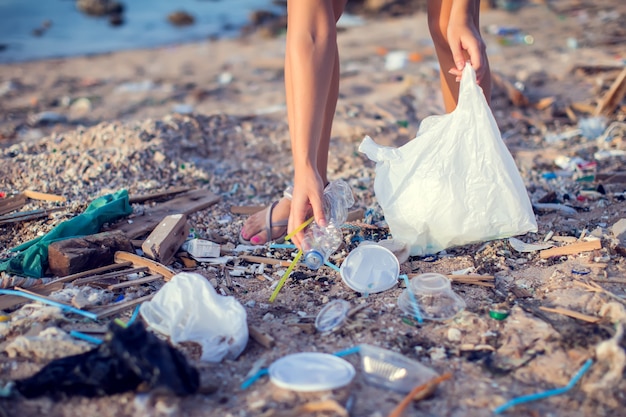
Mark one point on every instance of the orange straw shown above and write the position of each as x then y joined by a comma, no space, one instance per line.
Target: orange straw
397,412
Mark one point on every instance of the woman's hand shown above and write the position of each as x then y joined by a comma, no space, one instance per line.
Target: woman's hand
466,43
308,191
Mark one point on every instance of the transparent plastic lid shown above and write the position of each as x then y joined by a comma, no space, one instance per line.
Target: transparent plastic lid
431,283
370,269
430,296
332,315
311,371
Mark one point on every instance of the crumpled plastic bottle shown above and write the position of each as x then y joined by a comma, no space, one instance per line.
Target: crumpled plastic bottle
321,242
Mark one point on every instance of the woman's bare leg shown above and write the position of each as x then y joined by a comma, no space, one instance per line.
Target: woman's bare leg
439,15
312,88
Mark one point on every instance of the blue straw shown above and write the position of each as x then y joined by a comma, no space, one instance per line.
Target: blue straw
134,316
85,337
546,394
64,307
332,266
416,309
282,246
349,351
246,384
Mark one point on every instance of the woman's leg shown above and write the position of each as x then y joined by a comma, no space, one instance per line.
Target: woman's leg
312,88
439,12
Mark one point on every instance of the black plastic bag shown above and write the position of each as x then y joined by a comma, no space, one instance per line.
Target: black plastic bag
128,359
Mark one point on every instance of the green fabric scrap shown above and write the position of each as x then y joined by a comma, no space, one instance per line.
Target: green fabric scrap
32,257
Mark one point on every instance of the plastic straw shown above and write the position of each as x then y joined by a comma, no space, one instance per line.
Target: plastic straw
134,316
332,266
299,228
64,307
282,246
85,337
546,394
416,309
349,351
285,276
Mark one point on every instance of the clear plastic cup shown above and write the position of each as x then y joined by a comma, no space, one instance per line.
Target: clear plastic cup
431,296
387,369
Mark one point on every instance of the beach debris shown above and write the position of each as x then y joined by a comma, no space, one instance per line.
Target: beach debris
521,246
571,249
216,322
571,313
73,255
128,358
166,238
50,343
546,394
261,337
613,97
418,393
181,18
99,7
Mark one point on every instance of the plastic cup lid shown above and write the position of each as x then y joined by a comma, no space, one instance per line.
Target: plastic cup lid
370,269
332,315
311,371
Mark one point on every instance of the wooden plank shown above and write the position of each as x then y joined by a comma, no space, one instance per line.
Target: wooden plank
264,260
109,275
613,97
36,195
186,203
122,306
70,256
572,249
23,216
571,313
69,278
166,238
13,203
154,267
261,337
133,199
134,282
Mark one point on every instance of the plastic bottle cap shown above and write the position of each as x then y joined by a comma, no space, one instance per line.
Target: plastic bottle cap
311,371
313,259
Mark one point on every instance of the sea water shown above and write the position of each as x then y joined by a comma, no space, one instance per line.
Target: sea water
72,33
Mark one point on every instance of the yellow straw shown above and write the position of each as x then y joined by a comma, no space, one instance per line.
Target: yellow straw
299,228
285,276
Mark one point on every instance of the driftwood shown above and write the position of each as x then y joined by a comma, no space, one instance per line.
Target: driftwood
166,238
69,256
613,97
572,249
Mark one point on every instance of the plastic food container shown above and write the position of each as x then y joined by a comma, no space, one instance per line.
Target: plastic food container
387,369
332,315
430,296
370,268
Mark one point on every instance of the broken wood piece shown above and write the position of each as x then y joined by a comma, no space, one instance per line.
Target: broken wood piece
95,271
13,203
166,238
246,210
572,249
264,260
571,313
613,97
133,199
70,256
40,295
118,307
261,337
134,282
186,203
544,103
154,267
22,216
514,94
36,195
430,385
583,107
108,275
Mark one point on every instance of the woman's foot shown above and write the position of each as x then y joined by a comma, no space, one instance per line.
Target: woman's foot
268,224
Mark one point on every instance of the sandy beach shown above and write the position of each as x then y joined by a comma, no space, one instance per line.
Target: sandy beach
211,115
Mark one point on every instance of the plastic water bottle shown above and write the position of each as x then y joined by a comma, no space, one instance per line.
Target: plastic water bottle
321,242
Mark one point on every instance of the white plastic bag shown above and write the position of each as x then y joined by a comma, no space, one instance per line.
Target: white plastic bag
455,183
187,308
